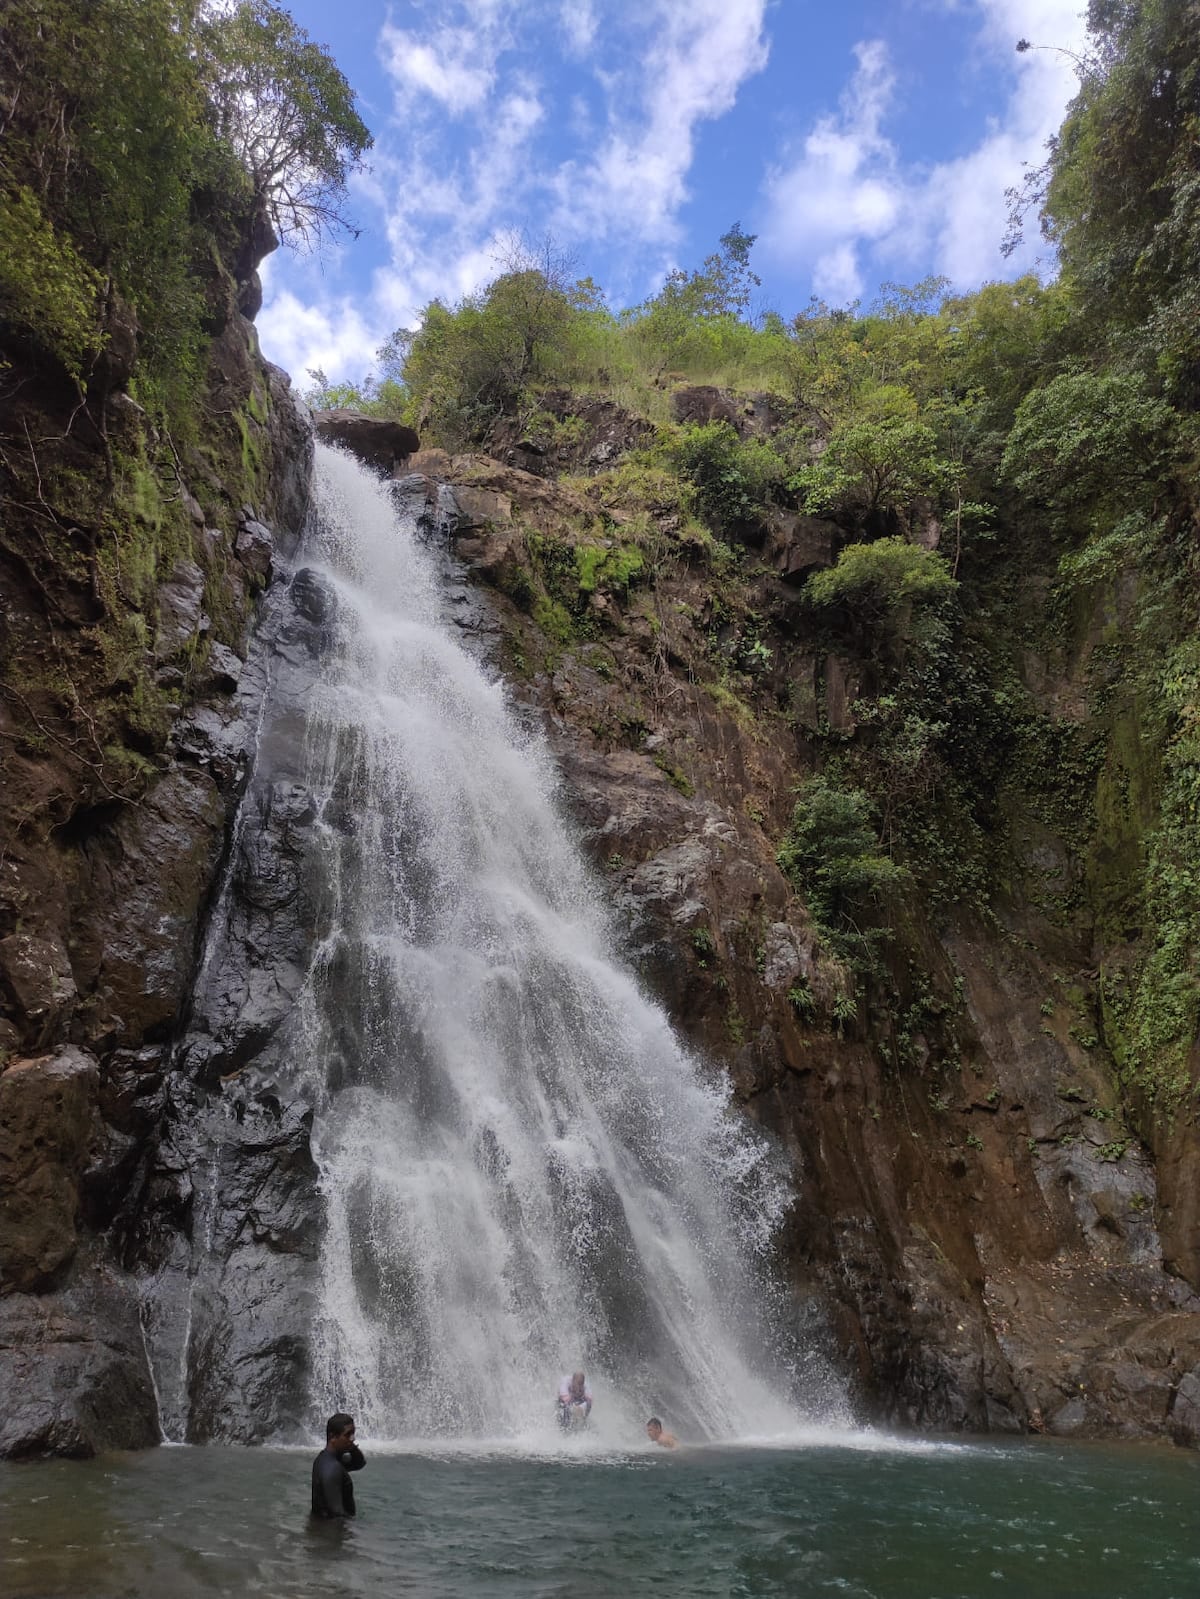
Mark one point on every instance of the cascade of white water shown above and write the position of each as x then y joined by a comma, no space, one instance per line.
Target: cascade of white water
524,1171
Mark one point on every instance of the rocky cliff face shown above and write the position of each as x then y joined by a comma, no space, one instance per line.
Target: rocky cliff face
132,565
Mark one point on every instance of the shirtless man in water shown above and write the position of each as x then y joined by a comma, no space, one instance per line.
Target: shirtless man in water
656,1435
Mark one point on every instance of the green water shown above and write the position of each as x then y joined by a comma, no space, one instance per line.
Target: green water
1031,1521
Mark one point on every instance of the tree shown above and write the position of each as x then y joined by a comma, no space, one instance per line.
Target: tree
1120,192
880,459
1087,438
880,580
465,365
102,137
280,101
833,855
734,478
683,315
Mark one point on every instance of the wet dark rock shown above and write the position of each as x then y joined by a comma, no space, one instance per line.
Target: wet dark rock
47,1119
73,1370
1185,1410
289,428
314,597
239,1313
148,874
250,295
255,547
102,900
223,667
432,505
799,545
132,1092
382,444
258,240
180,608
36,976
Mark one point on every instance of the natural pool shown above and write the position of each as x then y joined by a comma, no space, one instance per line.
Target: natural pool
870,1519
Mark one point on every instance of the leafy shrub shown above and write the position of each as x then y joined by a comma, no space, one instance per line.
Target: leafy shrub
734,478
881,458
1086,436
833,856
881,583
280,102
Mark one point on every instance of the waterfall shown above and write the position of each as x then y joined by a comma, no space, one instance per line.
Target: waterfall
522,1170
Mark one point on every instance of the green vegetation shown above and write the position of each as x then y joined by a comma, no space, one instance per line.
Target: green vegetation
281,105
47,289
832,853
135,135
734,478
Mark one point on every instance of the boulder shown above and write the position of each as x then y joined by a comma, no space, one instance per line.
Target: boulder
36,978
250,295
180,608
797,545
255,548
842,682
431,463
574,433
479,508
289,426
147,878
224,668
74,1373
382,444
700,403
1185,1410
47,1116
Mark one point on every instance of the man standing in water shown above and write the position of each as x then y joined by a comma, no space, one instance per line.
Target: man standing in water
656,1435
332,1490
574,1400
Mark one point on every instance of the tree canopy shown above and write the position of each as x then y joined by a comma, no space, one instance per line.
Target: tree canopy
281,103
135,132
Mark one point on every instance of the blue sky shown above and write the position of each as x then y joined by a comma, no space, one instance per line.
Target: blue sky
862,142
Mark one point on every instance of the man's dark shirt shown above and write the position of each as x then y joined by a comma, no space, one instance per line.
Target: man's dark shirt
332,1490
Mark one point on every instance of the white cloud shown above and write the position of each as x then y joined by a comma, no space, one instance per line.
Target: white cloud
579,25
301,336
695,60
494,132
455,62
583,118
842,190
847,195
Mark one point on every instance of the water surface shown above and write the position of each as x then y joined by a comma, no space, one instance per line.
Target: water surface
1034,1520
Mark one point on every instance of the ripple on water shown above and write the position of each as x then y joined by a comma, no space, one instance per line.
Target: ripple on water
866,1518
